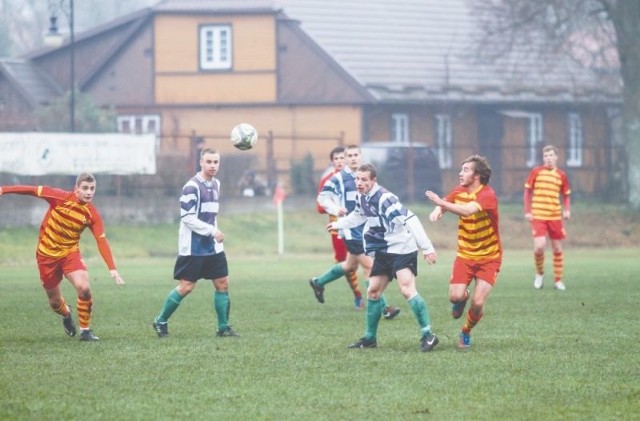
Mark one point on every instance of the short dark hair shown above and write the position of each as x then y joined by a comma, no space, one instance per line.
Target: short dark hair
85,176
481,167
550,148
370,168
334,151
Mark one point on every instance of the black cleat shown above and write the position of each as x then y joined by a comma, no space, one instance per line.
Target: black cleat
226,331
318,291
69,326
390,312
87,335
428,342
162,329
364,343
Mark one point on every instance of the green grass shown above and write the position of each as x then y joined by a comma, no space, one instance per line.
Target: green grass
536,354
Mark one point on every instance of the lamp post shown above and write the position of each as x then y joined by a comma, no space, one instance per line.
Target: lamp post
54,39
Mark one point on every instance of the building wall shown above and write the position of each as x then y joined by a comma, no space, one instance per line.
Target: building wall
178,78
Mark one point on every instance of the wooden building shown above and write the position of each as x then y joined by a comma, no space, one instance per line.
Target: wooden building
311,74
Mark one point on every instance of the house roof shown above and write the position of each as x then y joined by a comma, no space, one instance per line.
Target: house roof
27,78
423,50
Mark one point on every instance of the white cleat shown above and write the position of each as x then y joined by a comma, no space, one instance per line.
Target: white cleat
559,286
537,282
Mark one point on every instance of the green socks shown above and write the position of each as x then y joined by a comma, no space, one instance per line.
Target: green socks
331,275
419,308
374,312
222,305
170,305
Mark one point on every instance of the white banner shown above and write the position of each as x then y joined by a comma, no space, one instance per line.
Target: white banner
72,153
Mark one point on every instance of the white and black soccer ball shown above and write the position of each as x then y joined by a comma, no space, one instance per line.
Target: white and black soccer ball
244,136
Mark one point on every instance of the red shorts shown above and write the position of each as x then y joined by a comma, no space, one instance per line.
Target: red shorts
554,229
465,270
339,248
53,268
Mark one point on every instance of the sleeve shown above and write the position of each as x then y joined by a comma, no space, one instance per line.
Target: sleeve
415,228
329,196
97,228
196,225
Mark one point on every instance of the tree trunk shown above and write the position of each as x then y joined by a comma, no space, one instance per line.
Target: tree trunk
625,15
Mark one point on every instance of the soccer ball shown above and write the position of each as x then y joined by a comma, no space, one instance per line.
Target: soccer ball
244,136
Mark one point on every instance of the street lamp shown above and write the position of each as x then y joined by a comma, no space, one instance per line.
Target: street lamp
55,39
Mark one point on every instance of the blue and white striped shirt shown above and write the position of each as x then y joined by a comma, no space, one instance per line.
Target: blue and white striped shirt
340,191
199,205
386,224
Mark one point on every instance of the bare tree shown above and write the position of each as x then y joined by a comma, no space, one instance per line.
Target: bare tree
602,35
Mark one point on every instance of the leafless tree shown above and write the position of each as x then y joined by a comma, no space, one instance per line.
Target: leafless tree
602,35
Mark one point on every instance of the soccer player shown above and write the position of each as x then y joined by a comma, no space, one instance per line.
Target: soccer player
479,254
339,247
392,234
542,191
58,252
200,247
337,197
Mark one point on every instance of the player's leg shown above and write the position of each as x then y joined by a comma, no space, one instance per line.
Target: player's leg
340,254
459,286
80,281
556,235
377,285
216,268
50,278
187,272
486,275
539,231
406,278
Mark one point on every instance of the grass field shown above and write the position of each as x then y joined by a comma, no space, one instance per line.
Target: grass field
536,354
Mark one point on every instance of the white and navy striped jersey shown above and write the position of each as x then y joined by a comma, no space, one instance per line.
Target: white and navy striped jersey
389,226
338,192
199,205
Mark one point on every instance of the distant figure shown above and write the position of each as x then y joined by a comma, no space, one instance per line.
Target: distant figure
251,185
58,252
336,156
200,249
479,248
542,191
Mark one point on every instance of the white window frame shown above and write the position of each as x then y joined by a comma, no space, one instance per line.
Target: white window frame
575,140
444,140
534,138
215,47
400,128
145,125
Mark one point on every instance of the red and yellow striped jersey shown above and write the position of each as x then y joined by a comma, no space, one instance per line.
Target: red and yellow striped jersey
545,186
64,222
478,234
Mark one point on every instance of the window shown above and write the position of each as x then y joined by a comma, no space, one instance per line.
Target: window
534,138
400,128
443,140
575,140
139,124
215,47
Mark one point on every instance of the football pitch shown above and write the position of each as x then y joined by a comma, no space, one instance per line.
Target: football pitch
536,354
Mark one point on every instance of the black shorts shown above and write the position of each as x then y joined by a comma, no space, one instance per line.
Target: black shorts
354,247
192,268
389,264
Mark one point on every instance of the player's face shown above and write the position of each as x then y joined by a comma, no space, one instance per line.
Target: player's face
550,159
353,158
467,174
338,161
85,191
210,163
364,182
